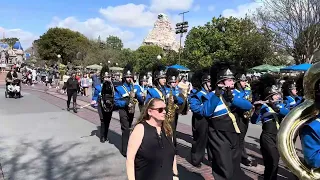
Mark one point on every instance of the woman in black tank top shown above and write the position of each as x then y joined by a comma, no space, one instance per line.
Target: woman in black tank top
151,153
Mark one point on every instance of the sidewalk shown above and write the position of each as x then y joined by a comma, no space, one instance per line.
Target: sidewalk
39,141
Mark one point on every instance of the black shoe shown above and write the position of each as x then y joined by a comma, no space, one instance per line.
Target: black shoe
75,108
68,109
249,162
102,139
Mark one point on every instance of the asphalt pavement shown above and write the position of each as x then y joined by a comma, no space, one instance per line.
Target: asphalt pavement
39,141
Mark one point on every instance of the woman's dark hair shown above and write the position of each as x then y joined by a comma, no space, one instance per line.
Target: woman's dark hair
144,116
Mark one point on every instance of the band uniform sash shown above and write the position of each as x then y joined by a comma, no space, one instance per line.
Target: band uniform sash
233,118
274,115
160,94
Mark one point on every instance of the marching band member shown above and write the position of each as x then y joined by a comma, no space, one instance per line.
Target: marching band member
310,136
126,98
172,75
290,94
224,132
202,86
143,84
244,116
159,81
105,103
270,114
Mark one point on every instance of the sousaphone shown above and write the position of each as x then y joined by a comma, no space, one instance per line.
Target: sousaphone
294,121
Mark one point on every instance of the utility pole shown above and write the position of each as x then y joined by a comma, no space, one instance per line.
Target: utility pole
181,28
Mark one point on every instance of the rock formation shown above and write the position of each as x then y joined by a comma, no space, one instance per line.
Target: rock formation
162,34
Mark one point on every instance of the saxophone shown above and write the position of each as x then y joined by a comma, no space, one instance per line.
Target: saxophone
132,101
249,114
292,123
171,108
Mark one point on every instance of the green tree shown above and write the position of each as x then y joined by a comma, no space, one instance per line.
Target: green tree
97,54
114,42
62,41
237,41
127,56
307,45
10,41
146,56
294,24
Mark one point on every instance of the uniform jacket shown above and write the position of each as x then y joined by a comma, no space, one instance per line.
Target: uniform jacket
270,119
197,101
310,141
122,94
175,92
155,92
291,101
219,114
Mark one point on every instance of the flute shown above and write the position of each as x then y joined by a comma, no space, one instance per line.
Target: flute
265,102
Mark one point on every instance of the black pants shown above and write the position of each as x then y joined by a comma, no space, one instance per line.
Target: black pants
225,154
174,129
141,107
29,81
126,119
243,126
105,123
72,93
49,82
200,139
270,154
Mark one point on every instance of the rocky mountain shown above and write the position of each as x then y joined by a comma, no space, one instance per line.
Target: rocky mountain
162,34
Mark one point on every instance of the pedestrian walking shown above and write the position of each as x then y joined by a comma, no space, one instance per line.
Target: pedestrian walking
72,87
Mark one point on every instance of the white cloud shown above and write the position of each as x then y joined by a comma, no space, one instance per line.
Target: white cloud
196,8
242,10
26,38
92,28
211,8
162,5
130,15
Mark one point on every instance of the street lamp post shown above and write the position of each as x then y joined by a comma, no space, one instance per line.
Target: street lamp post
181,28
59,56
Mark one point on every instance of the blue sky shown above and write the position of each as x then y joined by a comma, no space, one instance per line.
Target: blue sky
130,20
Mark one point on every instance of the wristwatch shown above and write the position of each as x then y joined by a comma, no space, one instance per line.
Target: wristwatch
175,175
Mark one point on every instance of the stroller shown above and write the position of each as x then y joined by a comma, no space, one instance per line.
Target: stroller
13,88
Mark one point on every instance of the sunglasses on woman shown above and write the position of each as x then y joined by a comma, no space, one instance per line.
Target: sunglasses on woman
160,110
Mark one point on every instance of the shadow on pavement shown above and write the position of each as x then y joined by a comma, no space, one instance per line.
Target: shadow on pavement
283,173
49,160
185,137
185,174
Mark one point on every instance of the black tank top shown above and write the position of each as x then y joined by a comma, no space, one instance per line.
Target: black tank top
155,155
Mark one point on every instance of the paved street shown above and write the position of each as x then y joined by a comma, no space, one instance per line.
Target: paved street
40,140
